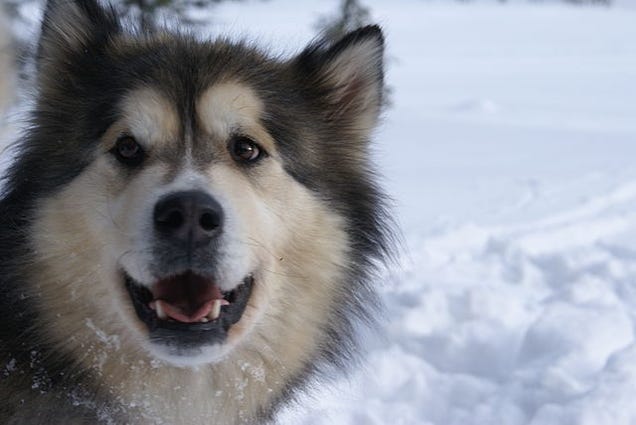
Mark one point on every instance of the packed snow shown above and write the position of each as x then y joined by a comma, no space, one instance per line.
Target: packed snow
510,153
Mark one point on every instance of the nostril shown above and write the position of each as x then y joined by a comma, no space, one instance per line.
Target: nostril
172,220
209,221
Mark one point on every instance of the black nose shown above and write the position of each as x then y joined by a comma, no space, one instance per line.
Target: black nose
192,218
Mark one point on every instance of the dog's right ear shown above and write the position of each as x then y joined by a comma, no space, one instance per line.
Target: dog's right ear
71,27
348,76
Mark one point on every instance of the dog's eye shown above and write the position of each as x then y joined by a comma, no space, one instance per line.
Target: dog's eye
245,150
128,151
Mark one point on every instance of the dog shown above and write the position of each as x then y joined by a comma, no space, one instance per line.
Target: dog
190,229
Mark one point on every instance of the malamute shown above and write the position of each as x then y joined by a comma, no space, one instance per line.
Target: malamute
190,229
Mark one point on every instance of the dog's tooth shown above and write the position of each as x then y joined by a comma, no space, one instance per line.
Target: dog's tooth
216,310
160,312
204,320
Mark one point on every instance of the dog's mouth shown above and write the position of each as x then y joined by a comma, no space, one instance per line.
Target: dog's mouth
189,309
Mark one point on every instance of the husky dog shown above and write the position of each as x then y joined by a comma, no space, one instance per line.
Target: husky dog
190,229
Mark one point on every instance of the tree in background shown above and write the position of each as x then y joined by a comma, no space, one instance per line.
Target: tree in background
601,2
6,70
148,12
350,15
145,12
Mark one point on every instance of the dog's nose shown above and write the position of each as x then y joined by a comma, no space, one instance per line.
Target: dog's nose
192,218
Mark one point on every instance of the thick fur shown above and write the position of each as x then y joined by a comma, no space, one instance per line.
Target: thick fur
307,221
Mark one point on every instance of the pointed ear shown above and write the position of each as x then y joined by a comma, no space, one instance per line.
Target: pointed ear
73,26
349,76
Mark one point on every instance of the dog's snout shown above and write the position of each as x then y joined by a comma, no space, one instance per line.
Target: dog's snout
193,218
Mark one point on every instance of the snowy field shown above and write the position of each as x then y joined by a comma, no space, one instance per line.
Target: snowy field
511,154
510,151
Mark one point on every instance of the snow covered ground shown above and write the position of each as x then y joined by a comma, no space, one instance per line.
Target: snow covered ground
510,152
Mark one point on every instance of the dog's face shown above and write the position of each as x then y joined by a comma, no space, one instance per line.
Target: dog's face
209,202
197,223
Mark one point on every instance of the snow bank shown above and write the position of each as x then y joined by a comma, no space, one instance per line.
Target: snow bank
522,324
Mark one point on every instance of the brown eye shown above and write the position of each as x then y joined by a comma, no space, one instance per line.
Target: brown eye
245,150
128,151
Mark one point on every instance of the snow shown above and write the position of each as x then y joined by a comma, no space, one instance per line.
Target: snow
510,152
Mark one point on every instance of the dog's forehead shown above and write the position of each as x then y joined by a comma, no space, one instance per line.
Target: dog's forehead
150,116
161,122
228,107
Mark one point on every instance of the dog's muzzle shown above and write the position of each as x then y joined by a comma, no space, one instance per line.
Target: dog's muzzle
185,307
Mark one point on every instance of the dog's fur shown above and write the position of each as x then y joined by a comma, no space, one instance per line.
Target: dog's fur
306,222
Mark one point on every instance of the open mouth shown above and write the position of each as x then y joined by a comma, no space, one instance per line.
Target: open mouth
189,309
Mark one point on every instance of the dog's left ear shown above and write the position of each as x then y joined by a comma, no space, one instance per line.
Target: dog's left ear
349,76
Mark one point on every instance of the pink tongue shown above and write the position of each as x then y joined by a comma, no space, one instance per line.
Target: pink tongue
176,314
186,298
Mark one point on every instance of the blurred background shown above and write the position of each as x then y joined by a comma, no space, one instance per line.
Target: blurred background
508,146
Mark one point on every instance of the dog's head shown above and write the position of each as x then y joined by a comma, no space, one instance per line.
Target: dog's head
198,199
